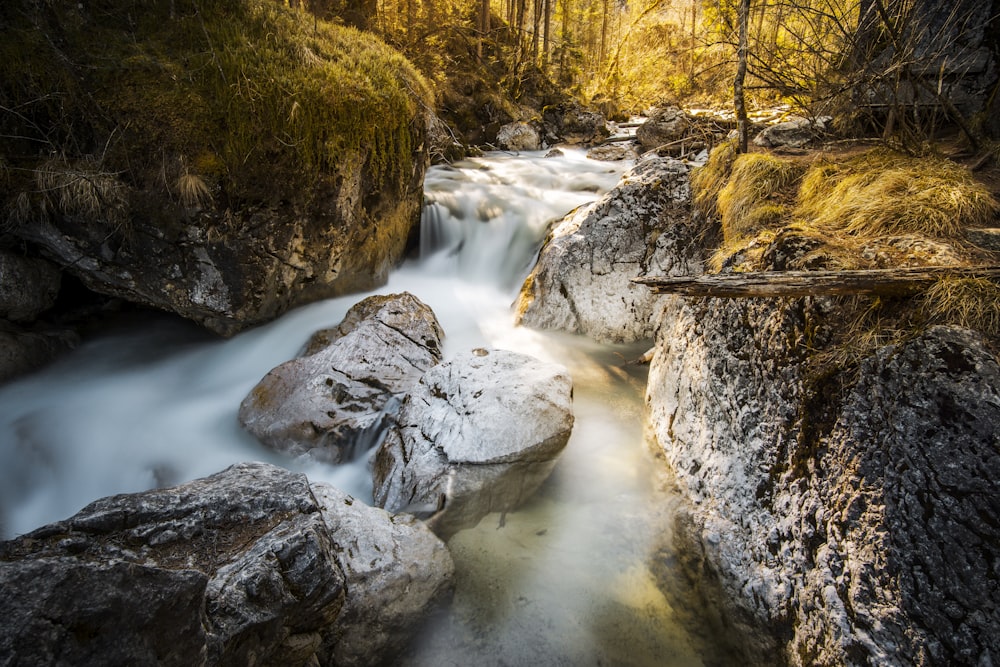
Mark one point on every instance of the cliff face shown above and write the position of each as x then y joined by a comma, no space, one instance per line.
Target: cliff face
851,514
225,160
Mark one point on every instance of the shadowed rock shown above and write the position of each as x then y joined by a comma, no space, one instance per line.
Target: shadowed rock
243,567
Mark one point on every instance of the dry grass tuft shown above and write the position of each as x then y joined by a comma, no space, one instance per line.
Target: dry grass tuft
709,179
882,194
193,191
745,204
83,190
973,303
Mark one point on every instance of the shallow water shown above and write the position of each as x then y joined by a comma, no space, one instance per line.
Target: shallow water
566,580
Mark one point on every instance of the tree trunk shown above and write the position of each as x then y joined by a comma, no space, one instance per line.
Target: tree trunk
739,99
883,282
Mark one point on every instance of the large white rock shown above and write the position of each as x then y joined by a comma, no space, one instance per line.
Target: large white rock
336,399
582,280
519,137
478,434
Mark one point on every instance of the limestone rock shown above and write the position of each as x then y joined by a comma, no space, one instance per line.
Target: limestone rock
333,402
184,196
28,287
478,434
582,280
519,137
844,514
395,571
663,126
22,350
611,153
243,567
794,133
572,124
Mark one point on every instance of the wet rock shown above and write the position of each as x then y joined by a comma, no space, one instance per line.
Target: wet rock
395,571
28,287
333,402
478,434
572,124
794,133
519,137
243,567
842,512
582,280
663,126
23,350
611,153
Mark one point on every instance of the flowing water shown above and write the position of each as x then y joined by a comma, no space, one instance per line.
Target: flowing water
570,579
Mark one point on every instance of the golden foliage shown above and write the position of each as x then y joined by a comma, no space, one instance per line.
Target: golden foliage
882,194
744,204
192,190
82,190
709,179
973,303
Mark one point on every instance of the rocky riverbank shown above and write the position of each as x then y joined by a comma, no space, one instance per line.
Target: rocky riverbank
840,511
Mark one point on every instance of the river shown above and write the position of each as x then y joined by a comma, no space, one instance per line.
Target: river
569,579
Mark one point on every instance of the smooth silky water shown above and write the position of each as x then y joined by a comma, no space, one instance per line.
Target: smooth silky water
566,580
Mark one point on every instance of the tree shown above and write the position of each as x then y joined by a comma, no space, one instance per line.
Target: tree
739,97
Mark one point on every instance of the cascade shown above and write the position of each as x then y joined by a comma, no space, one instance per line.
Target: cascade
568,579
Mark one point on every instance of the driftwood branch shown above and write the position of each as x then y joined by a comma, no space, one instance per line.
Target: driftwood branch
883,282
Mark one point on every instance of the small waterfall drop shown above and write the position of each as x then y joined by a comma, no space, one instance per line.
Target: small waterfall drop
567,580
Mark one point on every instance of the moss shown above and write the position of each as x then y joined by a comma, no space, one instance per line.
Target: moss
252,97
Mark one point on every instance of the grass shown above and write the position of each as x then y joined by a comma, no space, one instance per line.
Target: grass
746,203
884,194
265,99
875,210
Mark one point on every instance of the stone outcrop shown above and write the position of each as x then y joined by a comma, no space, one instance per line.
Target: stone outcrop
519,136
849,515
478,434
581,281
29,287
572,124
793,133
661,127
333,401
186,195
252,565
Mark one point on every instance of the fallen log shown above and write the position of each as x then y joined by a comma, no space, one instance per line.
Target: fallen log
882,282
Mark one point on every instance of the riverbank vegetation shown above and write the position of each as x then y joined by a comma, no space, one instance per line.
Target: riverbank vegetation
230,99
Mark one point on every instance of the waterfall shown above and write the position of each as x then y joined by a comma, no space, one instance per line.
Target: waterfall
568,579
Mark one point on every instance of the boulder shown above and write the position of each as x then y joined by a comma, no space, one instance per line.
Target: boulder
581,282
794,133
225,205
396,572
28,286
611,153
478,434
23,350
572,124
843,513
243,567
519,136
661,127
333,402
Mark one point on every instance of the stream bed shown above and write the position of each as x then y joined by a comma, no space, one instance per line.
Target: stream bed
572,578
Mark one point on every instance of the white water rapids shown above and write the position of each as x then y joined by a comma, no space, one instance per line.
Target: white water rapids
567,580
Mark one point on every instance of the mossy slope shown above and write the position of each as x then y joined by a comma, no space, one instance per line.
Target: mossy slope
288,150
